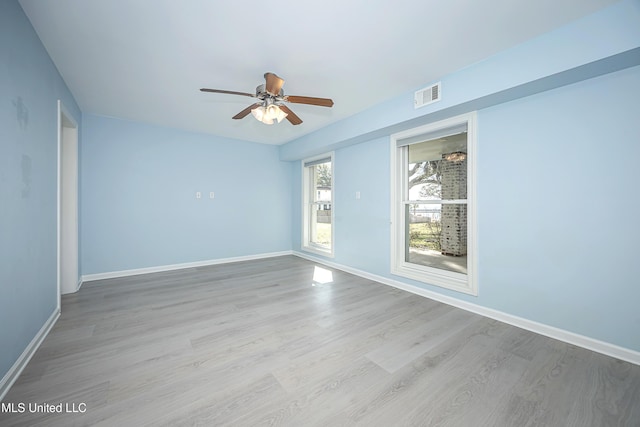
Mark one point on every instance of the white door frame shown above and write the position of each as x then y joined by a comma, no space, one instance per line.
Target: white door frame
68,258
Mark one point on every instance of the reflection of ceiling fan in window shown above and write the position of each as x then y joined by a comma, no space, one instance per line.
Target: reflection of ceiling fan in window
271,106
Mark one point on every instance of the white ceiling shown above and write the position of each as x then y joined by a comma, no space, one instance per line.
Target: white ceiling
145,60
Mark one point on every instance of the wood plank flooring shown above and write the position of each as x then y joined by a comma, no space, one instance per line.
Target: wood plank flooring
260,343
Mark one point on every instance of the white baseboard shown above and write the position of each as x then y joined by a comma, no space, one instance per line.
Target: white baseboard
598,346
12,375
158,269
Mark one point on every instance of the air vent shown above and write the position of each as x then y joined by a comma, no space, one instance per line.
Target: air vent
427,95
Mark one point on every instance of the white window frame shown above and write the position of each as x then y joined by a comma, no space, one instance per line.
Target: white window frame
465,283
307,245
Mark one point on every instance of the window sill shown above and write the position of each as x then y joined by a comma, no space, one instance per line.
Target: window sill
318,250
433,276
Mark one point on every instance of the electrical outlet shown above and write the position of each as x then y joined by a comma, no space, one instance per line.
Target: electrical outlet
211,195
198,195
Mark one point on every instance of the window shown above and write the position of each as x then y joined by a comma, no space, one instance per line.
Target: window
433,204
317,185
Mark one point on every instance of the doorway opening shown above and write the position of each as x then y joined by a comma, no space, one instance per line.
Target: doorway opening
68,271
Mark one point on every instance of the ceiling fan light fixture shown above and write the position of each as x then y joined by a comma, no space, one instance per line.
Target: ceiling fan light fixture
275,113
260,114
268,114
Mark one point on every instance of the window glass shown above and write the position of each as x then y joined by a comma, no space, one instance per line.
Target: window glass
318,209
436,170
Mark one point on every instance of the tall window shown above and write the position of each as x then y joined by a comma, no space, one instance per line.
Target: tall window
317,233
433,204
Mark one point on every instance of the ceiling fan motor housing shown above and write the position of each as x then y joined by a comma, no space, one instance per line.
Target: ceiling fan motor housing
261,93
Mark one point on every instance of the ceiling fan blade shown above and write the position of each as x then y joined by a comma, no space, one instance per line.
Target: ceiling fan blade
230,92
321,102
291,116
242,114
274,84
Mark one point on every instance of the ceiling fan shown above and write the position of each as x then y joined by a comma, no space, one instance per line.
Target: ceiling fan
271,106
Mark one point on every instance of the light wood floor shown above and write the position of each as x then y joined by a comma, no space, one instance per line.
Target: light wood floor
259,343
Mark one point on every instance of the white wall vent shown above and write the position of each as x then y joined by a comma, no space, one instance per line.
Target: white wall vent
427,95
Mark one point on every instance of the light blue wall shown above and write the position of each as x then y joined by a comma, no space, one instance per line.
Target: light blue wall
558,207
138,197
557,212
362,224
30,87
